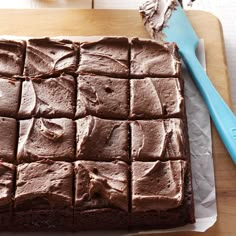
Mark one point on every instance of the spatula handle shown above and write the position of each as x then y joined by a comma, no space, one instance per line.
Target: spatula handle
223,118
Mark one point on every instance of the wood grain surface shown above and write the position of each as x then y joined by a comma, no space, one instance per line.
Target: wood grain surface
50,22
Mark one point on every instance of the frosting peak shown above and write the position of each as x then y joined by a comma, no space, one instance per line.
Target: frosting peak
155,14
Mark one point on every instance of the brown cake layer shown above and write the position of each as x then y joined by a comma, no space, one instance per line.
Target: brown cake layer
43,197
161,195
101,194
98,133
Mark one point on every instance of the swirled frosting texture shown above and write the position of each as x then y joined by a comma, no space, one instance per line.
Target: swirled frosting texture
11,57
50,98
10,90
7,172
107,56
101,185
157,185
102,96
152,59
46,139
8,137
157,140
47,57
155,14
156,97
44,185
102,140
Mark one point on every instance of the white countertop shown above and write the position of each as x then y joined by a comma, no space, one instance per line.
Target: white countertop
224,10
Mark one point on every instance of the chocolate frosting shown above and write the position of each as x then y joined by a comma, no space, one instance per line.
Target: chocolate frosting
9,96
102,96
7,172
100,139
45,184
11,57
53,97
155,14
8,138
157,185
107,56
156,97
101,185
46,139
157,140
152,59
45,57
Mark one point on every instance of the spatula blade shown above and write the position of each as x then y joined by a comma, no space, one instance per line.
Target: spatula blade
180,30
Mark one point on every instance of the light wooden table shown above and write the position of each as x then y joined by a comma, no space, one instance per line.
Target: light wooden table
128,23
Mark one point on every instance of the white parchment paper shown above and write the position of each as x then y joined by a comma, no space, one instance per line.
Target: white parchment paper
201,160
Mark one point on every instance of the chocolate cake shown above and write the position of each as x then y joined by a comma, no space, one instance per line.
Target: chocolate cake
158,198
41,138
49,98
152,98
102,96
12,54
47,57
8,139
101,195
93,136
152,59
101,140
153,140
43,197
108,56
7,174
10,90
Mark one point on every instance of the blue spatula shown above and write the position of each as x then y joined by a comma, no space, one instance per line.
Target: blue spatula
179,30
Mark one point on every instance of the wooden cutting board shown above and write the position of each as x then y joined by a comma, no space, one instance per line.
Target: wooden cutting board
52,22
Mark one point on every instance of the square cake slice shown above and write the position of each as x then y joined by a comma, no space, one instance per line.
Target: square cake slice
43,197
102,140
7,173
153,140
102,96
49,98
107,56
153,59
152,98
10,90
12,55
101,195
46,139
161,195
49,57
8,139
